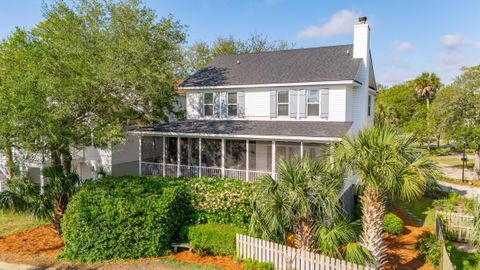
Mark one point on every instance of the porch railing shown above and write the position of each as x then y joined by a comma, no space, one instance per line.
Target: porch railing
174,170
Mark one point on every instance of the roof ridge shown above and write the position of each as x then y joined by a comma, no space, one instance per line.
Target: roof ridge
286,50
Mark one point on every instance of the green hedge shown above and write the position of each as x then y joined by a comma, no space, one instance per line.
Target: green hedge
392,224
127,217
221,201
214,239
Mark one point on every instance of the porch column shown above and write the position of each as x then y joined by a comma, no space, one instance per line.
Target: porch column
223,158
273,159
301,149
42,181
163,156
140,155
178,156
200,157
247,177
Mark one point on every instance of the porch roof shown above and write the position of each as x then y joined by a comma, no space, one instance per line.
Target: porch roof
308,130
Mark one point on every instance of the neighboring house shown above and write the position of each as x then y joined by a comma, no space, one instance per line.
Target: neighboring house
247,111
119,160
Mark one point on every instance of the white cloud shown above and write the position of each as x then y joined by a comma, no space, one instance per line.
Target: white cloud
340,23
453,40
402,46
391,78
452,60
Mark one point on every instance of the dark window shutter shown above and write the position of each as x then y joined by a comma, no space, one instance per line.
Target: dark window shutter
302,106
293,103
324,103
273,104
241,104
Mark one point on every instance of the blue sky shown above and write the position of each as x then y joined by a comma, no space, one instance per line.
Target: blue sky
407,37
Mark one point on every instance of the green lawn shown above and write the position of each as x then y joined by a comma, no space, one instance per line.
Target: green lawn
422,209
463,260
10,222
453,160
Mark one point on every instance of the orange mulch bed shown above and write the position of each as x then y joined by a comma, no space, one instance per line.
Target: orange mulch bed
402,254
223,262
40,245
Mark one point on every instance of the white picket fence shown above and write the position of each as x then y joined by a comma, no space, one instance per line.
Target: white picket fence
287,258
460,227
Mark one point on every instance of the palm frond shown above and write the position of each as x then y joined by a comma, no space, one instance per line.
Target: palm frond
356,253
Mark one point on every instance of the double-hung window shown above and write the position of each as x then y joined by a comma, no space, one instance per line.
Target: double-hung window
208,104
313,102
232,104
282,103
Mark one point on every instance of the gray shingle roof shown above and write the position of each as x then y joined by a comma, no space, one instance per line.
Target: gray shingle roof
254,128
288,66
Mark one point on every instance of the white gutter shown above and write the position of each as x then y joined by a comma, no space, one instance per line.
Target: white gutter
343,82
239,136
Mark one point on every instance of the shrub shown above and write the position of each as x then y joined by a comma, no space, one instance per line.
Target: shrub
221,201
429,248
392,224
250,264
127,217
214,239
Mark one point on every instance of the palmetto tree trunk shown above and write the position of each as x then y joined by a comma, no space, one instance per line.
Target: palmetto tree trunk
60,208
304,234
373,212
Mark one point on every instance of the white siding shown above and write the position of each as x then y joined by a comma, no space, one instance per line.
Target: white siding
337,103
257,104
348,104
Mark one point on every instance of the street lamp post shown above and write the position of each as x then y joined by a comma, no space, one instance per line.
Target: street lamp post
464,158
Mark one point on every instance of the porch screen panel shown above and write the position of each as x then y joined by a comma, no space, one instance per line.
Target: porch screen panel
286,151
189,152
260,156
212,153
314,150
171,150
152,149
235,154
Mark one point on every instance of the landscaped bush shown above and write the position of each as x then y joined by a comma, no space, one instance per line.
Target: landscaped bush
127,217
392,224
455,203
214,239
221,201
429,248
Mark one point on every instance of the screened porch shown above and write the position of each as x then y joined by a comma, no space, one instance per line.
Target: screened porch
227,158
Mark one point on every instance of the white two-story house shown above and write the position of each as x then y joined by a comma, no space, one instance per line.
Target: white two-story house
247,111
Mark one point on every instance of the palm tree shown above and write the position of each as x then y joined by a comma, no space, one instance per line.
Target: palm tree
26,196
388,166
426,85
305,202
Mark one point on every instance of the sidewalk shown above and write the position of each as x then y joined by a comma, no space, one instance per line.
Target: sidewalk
12,266
467,191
